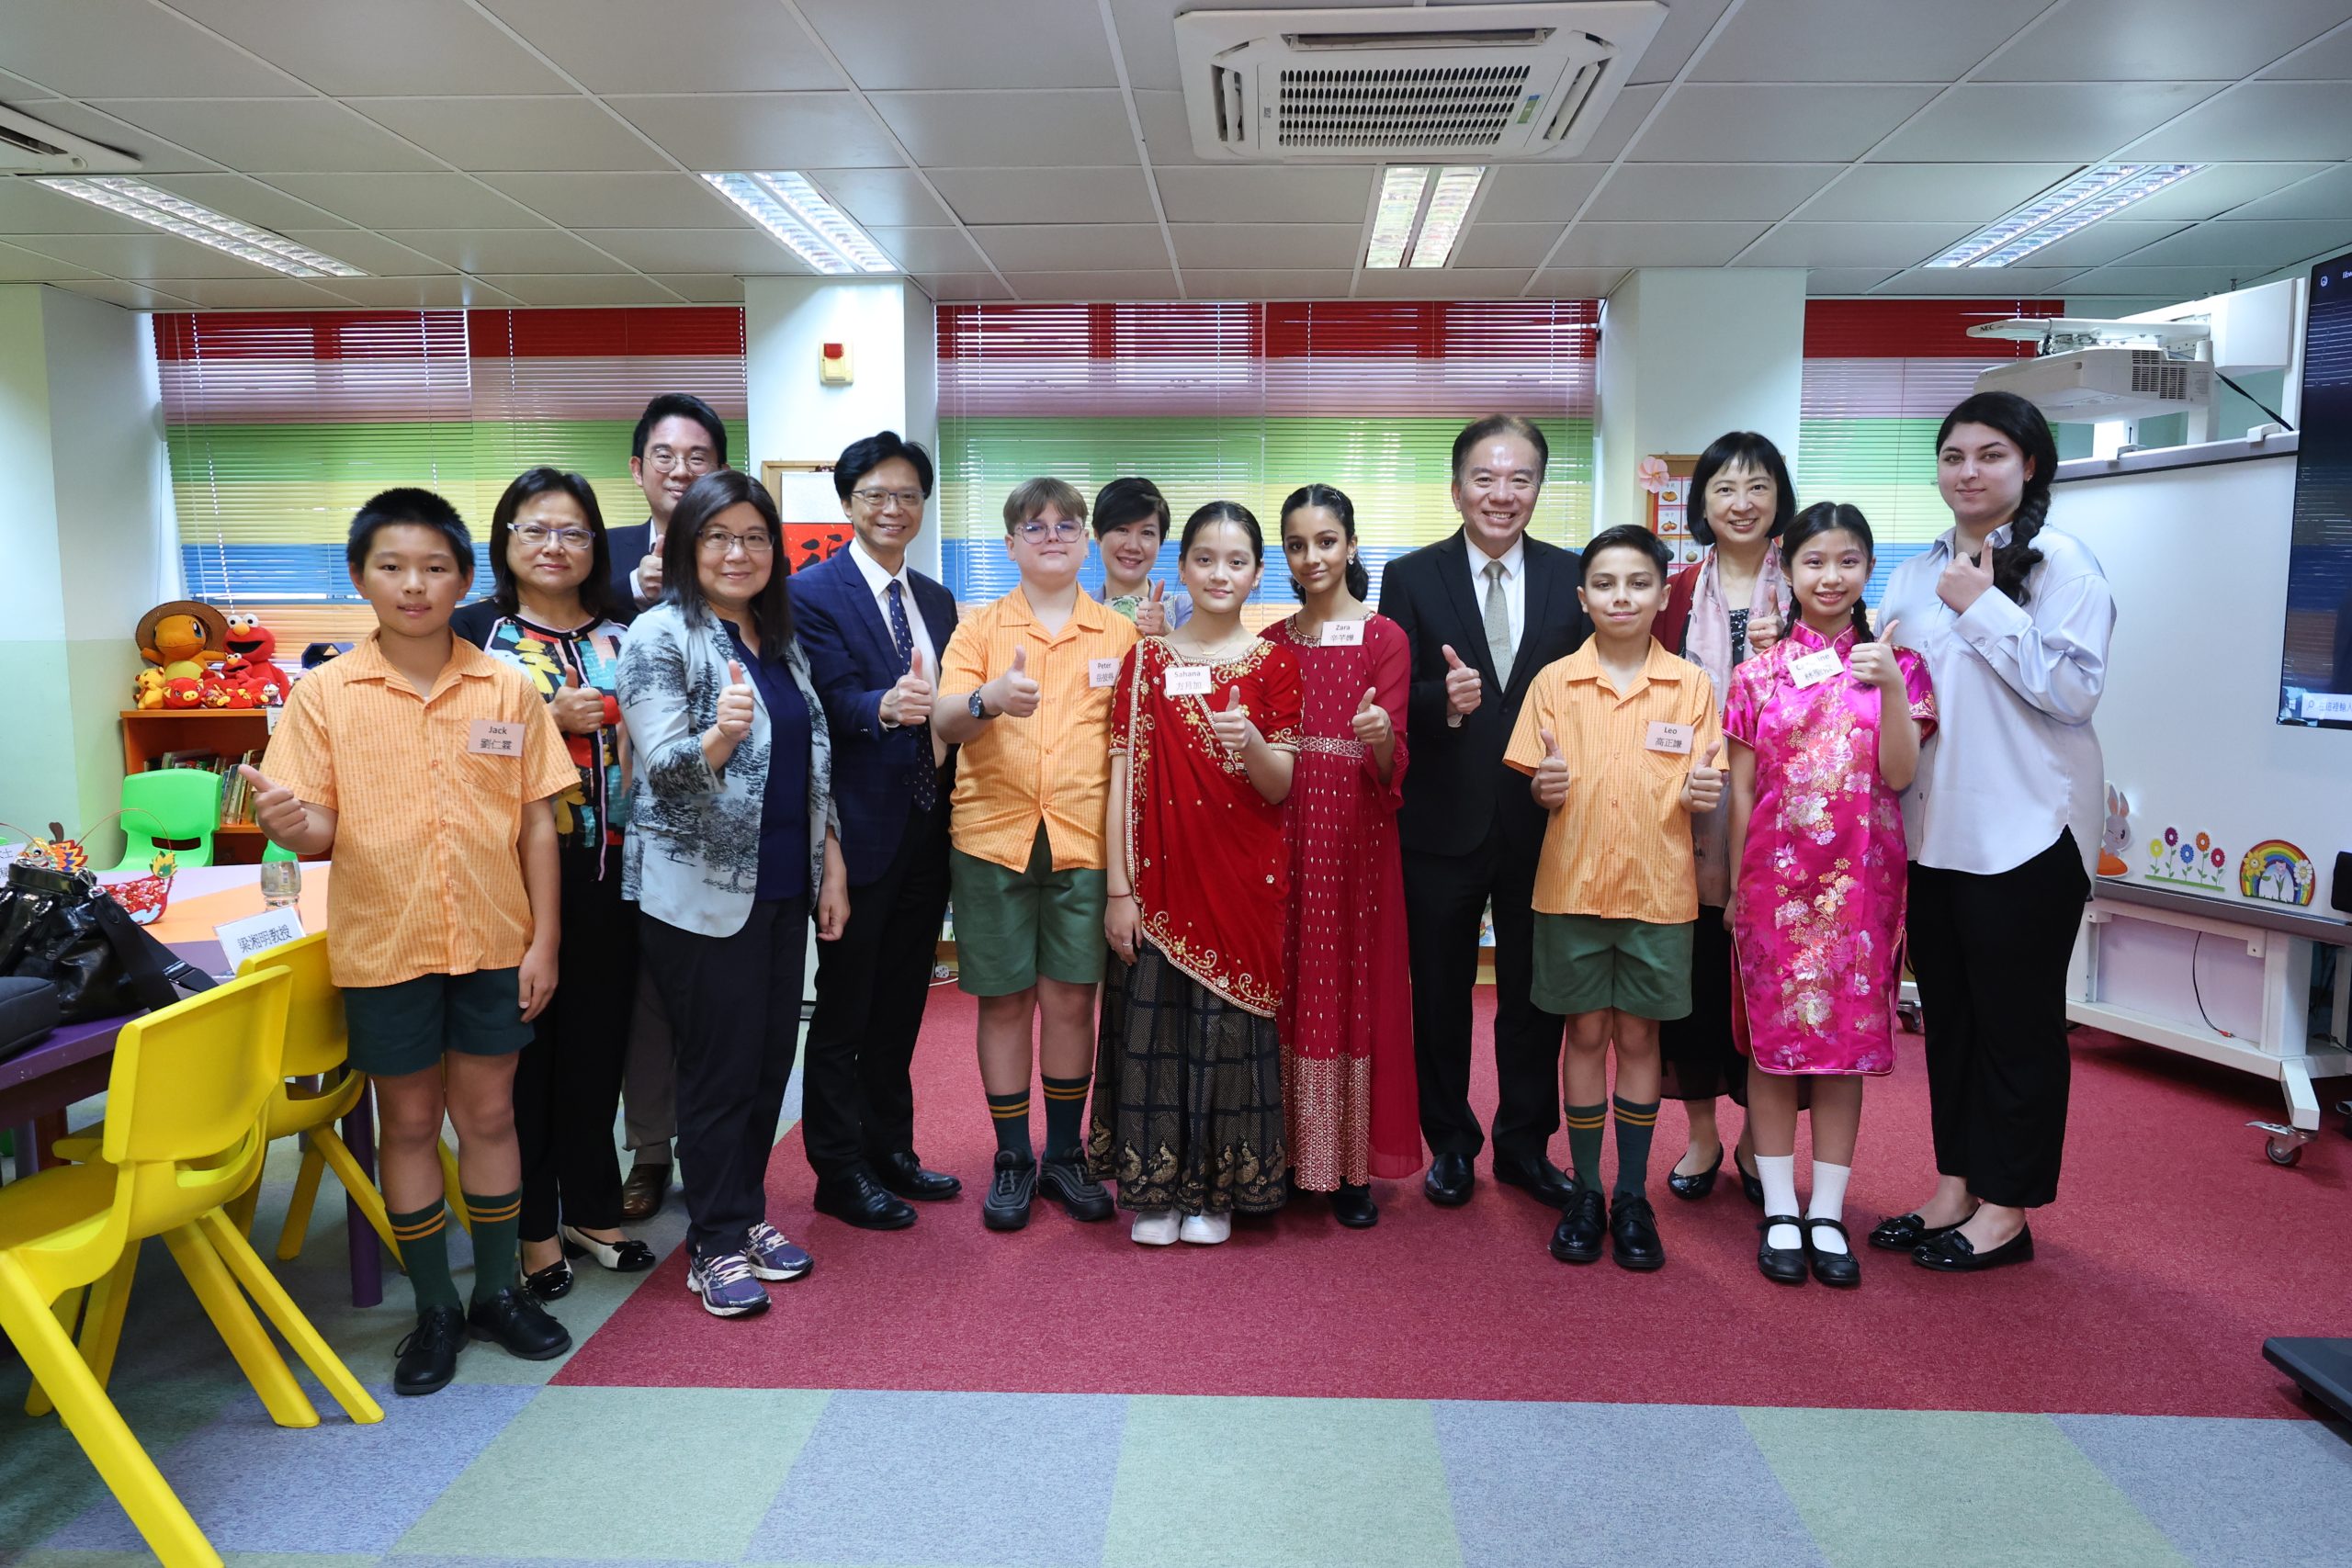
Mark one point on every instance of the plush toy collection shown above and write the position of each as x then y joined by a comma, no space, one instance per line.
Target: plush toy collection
198,658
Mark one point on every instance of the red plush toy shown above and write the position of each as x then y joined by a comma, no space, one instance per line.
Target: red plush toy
181,691
253,649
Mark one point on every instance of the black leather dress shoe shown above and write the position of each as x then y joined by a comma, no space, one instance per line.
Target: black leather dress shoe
1699,1183
551,1283
1450,1181
1544,1180
1751,1186
1582,1227
1952,1253
1353,1207
1842,1270
855,1198
1782,1265
427,1360
519,1325
902,1173
1632,1235
1905,1232
1011,1188
1067,1182
642,1190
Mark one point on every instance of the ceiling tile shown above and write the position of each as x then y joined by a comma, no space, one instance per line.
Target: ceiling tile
1925,193
1537,193
1056,285
1739,122
1443,283
255,293
515,134
945,288
622,200
20,266
704,288
2148,41
505,250
2329,60
2256,120
2139,283
1577,282
1654,244
1625,118
442,292
1997,122
2248,248
1963,283
1046,196
1072,247
2325,194
370,253
345,47
888,199
156,155
1011,129
251,200
1279,247
598,288
1486,244
29,208
953,43
930,250
408,201
267,136
1834,281
1222,283
1686,24
139,257
1862,40
740,252
1167,134
87,49
130,296
716,131
1321,194
611,46
1852,244
1147,32
1652,192
2110,239
2225,187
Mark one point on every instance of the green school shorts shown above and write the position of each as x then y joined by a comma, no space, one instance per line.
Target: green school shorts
1588,962
406,1028
1013,926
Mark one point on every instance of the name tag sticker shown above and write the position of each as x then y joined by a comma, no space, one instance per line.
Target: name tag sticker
1188,680
1814,667
489,737
1665,737
240,940
1102,672
1343,634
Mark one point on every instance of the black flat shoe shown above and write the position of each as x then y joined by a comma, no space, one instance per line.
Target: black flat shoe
1751,1187
519,1325
1905,1232
1543,1181
1353,1207
1782,1265
1841,1269
1632,1235
856,1199
1952,1253
903,1174
1582,1227
551,1283
1450,1181
627,1256
1699,1183
427,1359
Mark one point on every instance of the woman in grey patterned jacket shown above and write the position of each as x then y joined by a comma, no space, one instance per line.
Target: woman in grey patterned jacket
732,838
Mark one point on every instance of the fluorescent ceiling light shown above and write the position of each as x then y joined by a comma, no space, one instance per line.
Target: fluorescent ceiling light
2064,209
193,220
787,206
1420,215
1392,224
1449,207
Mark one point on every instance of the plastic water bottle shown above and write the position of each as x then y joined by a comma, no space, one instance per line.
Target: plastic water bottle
281,882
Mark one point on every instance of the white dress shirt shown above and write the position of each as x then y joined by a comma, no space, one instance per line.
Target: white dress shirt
1514,587
878,578
2014,760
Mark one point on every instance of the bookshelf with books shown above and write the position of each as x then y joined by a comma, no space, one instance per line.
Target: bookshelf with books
214,740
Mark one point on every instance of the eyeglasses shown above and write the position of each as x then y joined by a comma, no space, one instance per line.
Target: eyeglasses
883,500
720,543
1063,532
534,534
697,459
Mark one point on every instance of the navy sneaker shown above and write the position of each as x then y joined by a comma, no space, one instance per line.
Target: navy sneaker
772,1257
725,1285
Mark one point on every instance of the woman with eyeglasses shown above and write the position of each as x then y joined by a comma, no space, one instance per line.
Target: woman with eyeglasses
550,614
732,837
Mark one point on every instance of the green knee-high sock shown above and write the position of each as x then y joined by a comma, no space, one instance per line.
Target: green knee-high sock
1011,1114
1065,1110
498,1225
1584,1124
1636,1124
423,1236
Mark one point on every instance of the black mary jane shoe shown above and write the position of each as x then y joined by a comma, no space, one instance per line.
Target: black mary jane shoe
1952,1253
1907,1233
627,1256
1699,1183
1782,1265
1353,1207
1751,1186
1839,1269
551,1283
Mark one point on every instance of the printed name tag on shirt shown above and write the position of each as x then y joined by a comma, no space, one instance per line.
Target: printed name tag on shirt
492,738
1814,668
1665,737
1188,680
1343,634
1102,672
240,940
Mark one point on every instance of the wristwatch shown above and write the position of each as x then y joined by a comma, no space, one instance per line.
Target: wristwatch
980,709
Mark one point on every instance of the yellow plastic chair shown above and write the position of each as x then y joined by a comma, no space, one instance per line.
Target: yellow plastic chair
183,1136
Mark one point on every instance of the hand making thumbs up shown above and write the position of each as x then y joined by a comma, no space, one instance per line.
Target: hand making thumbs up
1371,722
577,709
1151,615
1965,578
275,811
1464,686
1231,724
1872,663
1549,784
736,705
909,703
1017,690
1702,789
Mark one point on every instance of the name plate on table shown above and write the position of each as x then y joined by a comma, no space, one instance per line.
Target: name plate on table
1814,667
1188,680
240,940
1343,634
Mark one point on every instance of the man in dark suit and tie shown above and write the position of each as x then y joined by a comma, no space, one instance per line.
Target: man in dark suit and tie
1485,608
873,630
678,439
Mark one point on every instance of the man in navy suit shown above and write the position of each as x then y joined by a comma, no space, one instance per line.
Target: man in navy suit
873,630
1485,607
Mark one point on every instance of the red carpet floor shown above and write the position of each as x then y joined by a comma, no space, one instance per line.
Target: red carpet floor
2174,1250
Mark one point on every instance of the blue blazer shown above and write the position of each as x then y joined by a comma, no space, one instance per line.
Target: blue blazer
853,660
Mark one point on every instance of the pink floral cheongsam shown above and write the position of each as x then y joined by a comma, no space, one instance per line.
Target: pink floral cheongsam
1818,925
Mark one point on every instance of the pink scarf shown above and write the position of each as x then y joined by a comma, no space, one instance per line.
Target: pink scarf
1706,642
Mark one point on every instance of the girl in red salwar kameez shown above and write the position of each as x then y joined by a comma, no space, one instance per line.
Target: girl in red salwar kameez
1347,1011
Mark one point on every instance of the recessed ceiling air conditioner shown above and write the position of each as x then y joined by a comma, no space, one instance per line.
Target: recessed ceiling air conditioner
1483,83
34,146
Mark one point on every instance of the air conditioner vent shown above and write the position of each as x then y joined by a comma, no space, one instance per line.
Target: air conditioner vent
1454,107
35,147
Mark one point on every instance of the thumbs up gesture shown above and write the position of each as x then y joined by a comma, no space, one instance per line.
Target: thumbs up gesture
275,811
1371,722
909,702
1872,663
1703,787
1151,615
1964,580
1549,784
1231,724
736,705
648,576
577,709
1017,690
1464,686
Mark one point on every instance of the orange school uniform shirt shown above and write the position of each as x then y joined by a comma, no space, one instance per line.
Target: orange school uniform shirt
427,877
1621,847
1054,766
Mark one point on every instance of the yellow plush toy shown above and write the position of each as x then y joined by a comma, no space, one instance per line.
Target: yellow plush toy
148,688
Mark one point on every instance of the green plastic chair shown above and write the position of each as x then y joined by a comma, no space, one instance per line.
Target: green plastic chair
169,803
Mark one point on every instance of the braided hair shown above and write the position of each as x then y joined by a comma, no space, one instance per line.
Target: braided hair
1831,517
2021,424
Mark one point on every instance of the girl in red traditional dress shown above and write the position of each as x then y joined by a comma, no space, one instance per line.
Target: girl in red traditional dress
1347,1011
1187,1116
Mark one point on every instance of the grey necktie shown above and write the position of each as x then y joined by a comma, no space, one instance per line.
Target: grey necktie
1498,622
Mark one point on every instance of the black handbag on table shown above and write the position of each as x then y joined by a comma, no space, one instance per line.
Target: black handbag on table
57,926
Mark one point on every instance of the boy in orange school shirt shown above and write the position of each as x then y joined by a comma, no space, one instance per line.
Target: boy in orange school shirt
427,768
1622,741
1025,688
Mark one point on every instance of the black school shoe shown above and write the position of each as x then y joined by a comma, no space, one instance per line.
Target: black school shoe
1841,1269
1583,1224
1352,1206
427,1359
1632,1235
1782,1265
518,1324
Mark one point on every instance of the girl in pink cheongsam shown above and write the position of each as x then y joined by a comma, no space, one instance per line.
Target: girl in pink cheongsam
1825,730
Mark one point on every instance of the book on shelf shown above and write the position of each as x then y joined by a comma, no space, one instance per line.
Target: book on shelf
236,795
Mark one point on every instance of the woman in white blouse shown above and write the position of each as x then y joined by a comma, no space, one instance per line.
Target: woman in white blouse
2013,618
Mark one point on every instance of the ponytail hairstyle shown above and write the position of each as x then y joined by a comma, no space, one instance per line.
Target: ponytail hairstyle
1831,517
2022,426
1337,503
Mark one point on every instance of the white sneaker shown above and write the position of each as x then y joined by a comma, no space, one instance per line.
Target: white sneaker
1155,1227
1207,1230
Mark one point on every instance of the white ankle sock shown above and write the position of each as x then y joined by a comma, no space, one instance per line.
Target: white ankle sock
1828,1203
1779,1174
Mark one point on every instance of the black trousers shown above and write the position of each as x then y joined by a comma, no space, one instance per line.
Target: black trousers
1444,896
734,1005
872,986
1990,954
568,1084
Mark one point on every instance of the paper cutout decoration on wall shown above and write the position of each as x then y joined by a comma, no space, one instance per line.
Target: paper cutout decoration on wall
806,544
2278,873
2186,860
2117,837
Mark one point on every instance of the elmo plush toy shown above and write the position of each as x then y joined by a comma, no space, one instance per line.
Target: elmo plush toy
254,648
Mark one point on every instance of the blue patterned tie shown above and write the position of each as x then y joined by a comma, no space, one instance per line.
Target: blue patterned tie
926,776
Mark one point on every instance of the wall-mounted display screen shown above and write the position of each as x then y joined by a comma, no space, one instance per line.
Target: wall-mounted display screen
2315,671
